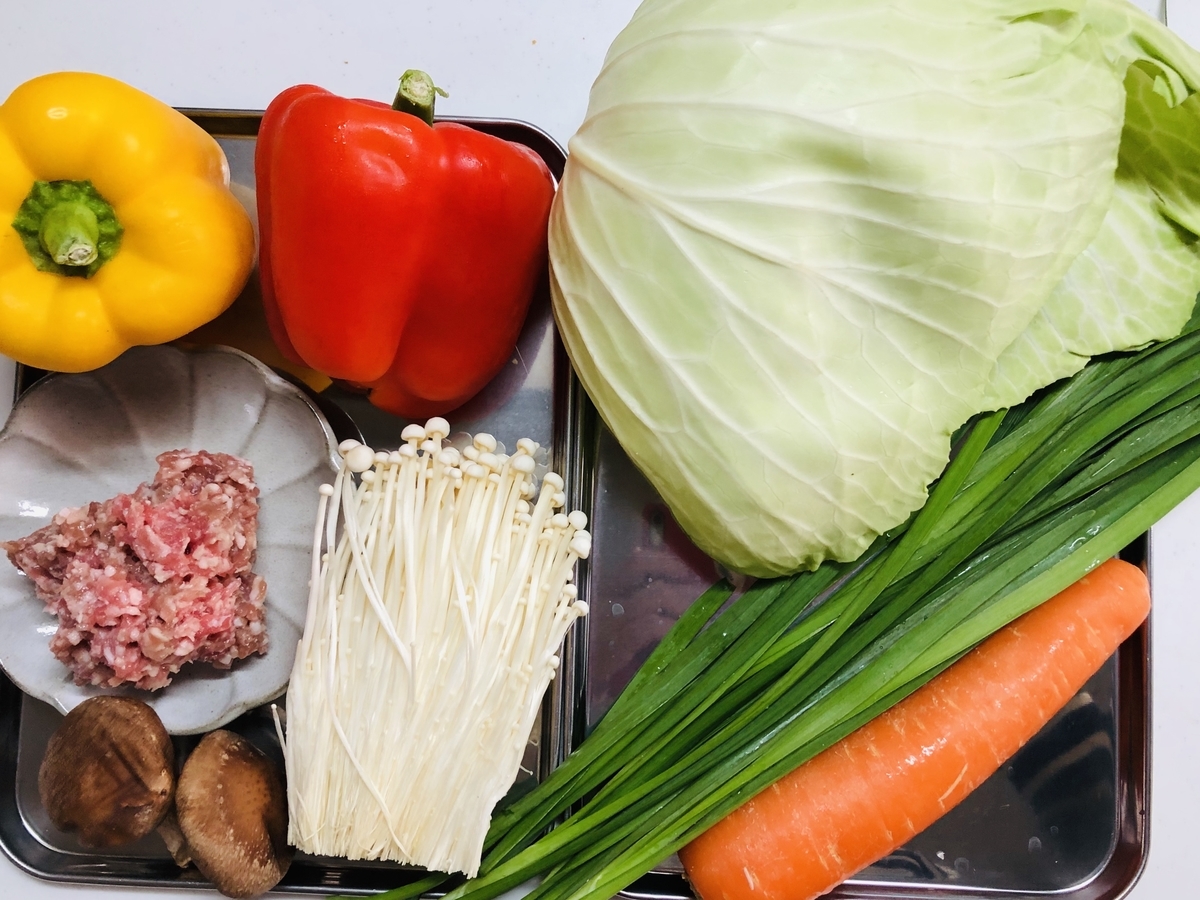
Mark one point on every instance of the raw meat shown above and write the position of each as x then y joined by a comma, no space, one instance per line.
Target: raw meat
147,582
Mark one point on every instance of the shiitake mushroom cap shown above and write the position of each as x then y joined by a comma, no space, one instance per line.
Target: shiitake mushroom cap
232,810
109,772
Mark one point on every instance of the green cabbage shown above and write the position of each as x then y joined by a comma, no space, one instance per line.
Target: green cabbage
799,243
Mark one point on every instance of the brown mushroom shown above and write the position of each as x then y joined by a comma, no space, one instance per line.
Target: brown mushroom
108,772
232,810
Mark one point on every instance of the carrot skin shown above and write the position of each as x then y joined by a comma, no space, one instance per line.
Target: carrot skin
868,794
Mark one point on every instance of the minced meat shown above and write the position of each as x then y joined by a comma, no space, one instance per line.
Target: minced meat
147,582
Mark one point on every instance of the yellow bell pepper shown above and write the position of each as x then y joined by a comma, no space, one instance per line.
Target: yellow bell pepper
123,229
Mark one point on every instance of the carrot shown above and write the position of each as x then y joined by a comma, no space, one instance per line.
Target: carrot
868,794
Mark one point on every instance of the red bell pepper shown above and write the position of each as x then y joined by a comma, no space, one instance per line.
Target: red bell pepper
396,254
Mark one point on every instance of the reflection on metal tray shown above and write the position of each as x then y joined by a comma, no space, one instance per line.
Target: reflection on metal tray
1066,816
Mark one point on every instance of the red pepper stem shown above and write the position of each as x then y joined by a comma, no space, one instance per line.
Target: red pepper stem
417,95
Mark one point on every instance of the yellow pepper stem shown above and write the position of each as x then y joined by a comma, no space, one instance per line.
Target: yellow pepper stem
70,234
67,227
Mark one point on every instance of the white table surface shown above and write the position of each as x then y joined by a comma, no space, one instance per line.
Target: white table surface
531,60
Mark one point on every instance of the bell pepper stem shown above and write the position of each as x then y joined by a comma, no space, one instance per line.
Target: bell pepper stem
70,234
67,228
417,95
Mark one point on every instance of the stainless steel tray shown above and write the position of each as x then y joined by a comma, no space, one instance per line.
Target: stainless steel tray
1067,816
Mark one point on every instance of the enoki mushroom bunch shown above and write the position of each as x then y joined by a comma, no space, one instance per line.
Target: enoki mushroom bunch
442,589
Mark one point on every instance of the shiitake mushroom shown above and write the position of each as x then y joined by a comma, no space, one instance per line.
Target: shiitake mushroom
109,776
232,810
109,772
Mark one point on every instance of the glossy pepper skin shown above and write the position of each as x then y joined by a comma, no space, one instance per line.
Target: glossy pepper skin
186,246
396,255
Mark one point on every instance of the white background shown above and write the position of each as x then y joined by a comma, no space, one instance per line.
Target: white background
535,61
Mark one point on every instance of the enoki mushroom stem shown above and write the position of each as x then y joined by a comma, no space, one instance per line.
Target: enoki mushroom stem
441,593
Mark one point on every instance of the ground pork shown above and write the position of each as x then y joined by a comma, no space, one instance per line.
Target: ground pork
147,582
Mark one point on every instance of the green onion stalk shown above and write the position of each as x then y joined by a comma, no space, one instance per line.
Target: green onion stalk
744,689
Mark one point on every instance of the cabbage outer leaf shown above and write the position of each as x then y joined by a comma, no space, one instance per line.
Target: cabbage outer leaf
1137,281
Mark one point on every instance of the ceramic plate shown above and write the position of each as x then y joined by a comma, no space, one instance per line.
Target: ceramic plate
72,439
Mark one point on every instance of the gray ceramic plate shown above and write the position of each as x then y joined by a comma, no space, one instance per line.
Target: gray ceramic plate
77,438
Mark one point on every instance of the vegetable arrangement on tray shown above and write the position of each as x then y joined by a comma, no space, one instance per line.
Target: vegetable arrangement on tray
738,695
893,302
